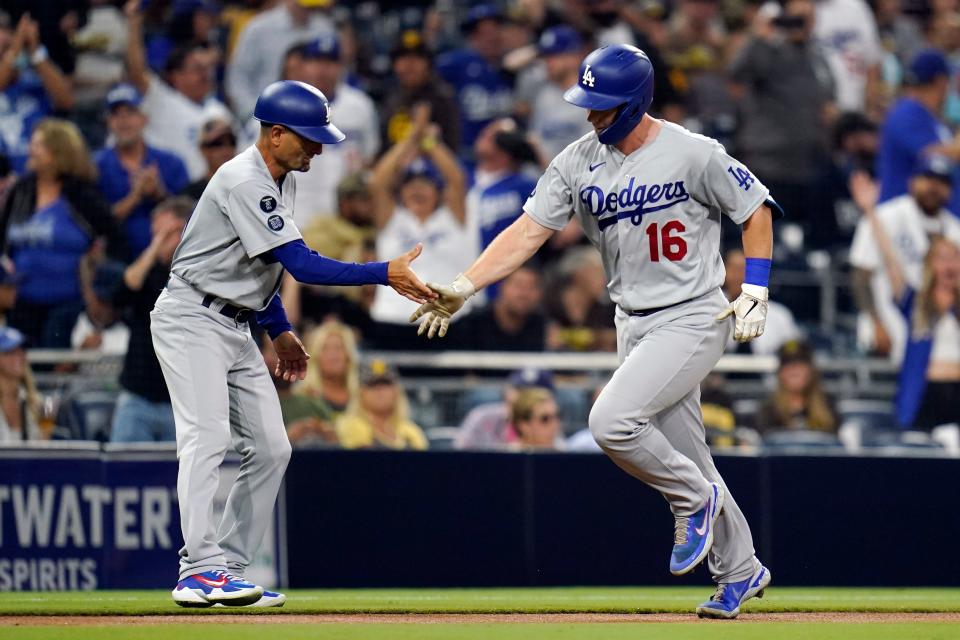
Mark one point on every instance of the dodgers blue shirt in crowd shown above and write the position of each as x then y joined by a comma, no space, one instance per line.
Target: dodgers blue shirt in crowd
494,204
483,92
46,250
22,105
114,184
908,129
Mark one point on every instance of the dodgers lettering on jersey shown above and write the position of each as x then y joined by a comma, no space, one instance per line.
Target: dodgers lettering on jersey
654,215
241,215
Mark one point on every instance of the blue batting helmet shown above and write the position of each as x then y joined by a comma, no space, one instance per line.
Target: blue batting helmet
615,76
300,108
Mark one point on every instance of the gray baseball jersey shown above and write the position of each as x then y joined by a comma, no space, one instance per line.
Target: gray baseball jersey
654,215
241,215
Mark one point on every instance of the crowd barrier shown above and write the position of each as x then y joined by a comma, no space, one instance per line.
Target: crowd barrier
82,518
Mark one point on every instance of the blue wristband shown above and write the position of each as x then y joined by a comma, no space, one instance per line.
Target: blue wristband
757,272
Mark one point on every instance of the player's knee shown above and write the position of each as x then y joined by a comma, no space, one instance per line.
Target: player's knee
611,425
279,455
601,423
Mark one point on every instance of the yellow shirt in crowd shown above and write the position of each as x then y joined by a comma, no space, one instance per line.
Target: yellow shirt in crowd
357,433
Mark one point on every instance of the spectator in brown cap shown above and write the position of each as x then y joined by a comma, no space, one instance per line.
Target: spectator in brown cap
416,82
799,401
379,419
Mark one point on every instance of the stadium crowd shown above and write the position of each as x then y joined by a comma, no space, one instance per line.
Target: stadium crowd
113,117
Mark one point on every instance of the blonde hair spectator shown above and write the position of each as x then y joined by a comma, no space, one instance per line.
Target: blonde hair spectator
67,147
535,418
332,371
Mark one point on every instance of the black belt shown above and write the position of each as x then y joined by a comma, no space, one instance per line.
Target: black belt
643,313
235,313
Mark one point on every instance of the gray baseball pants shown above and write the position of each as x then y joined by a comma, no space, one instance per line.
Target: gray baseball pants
648,418
222,396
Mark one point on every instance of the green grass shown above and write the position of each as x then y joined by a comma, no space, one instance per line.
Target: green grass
551,600
641,631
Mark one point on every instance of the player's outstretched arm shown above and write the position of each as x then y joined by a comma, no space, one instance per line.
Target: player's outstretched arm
515,245
750,308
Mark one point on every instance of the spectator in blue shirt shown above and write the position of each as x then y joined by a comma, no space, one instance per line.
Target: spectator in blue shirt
52,217
484,91
500,185
913,127
32,87
135,177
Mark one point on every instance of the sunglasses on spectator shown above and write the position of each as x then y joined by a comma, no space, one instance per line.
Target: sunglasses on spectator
226,140
545,418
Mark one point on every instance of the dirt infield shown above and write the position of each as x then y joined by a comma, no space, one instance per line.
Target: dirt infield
460,618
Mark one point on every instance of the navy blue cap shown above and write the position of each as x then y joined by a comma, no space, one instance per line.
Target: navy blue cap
559,39
10,339
123,93
326,46
926,66
478,13
423,168
531,377
935,166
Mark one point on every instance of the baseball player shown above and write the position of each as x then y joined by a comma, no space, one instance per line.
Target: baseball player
226,272
649,195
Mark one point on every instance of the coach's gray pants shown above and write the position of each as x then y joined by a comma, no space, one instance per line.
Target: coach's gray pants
648,419
222,395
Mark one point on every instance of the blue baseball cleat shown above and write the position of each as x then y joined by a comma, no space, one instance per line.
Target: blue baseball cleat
693,535
269,599
725,603
215,587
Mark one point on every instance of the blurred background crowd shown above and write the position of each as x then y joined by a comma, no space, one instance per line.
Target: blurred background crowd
113,116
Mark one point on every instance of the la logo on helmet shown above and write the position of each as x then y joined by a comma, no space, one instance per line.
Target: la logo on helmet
588,78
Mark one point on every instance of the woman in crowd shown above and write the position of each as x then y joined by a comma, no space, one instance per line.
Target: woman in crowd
419,195
929,384
379,418
20,415
536,420
53,216
332,370
799,401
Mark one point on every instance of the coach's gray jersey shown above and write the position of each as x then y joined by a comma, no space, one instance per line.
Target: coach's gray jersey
654,215
241,215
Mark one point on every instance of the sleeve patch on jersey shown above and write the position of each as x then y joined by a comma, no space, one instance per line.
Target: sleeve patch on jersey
275,223
268,204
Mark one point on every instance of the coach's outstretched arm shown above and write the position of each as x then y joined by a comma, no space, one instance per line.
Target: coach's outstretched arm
309,267
750,308
515,245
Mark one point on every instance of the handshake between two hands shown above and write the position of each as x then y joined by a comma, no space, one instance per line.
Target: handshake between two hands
749,309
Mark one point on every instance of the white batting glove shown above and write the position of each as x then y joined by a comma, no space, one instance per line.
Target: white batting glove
750,310
436,313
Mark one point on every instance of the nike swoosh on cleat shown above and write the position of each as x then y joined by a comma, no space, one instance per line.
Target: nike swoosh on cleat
702,529
594,166
759,578
212,583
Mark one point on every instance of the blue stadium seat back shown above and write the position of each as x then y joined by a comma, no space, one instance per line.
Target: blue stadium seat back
573,403
905,440
90,414
801,441
441,438
475,396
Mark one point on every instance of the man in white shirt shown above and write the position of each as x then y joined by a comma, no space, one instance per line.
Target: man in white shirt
847,31
909,221
318,64
258,55
176,106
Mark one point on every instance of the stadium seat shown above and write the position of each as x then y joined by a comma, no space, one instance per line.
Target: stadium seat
88,415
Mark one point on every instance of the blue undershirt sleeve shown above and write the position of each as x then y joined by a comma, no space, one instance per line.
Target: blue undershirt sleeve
309,267
273,318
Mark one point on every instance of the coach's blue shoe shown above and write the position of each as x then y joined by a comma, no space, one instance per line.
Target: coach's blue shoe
726,602
215,587
693,535
268,599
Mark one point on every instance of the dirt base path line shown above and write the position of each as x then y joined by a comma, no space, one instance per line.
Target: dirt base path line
460,618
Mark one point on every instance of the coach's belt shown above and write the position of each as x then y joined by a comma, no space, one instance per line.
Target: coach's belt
643,313
235,313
